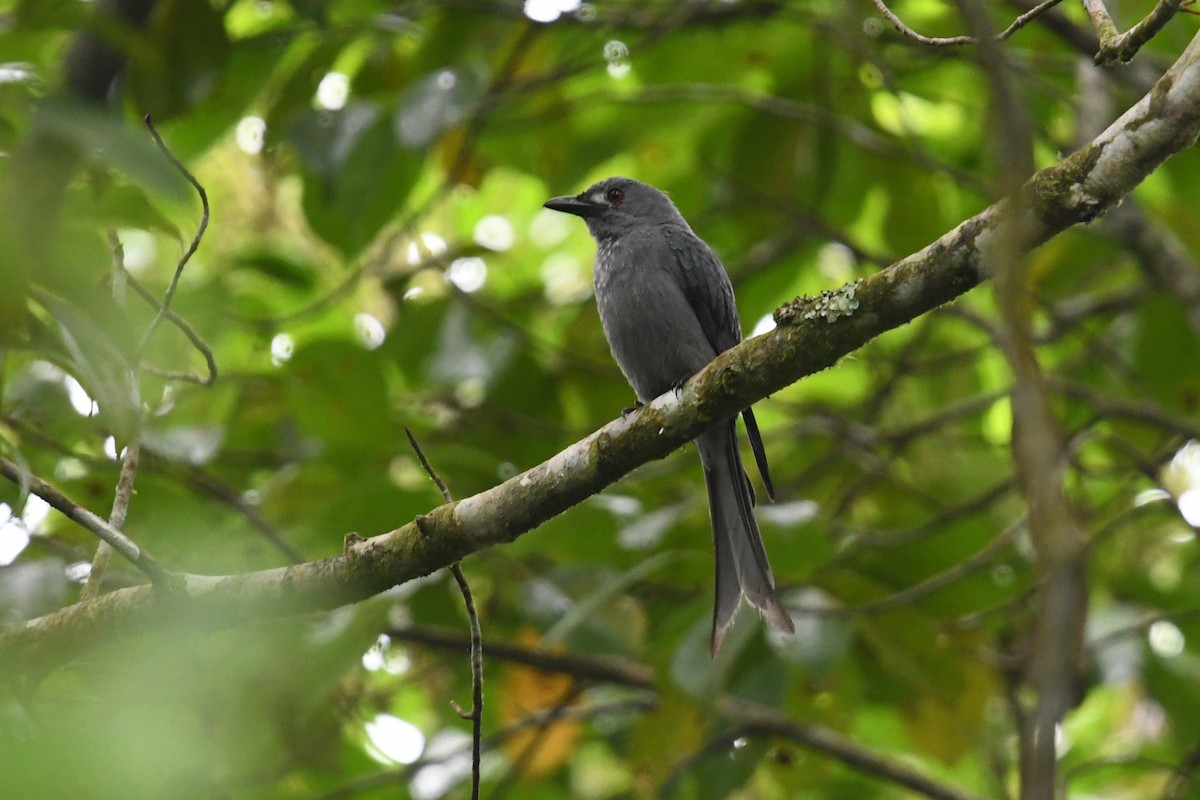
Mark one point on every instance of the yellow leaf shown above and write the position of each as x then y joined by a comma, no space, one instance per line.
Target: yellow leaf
525,692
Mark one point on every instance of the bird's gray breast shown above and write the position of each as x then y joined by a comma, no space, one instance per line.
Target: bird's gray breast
651,328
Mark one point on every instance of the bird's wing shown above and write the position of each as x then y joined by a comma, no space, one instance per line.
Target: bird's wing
710,294
706,286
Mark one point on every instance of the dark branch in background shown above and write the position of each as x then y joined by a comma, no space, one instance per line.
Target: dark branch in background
752,719
749,719
952,41
476,712
118,541
214,488
1160,254
589,669
811,335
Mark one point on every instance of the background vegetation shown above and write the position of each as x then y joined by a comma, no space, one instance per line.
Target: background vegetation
377,258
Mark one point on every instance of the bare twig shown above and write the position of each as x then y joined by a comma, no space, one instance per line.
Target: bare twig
117,540
116,518
187,255
1106,29
188,331
475,715
951,41
1120,48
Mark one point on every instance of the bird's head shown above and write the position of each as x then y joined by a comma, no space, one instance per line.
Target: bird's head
615,206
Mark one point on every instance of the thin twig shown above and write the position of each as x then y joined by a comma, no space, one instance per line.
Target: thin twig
909,596
1120,48
476,712
56,499
952,41
116,518
752,719
429,470
187,255
589,669
184,328
1102,21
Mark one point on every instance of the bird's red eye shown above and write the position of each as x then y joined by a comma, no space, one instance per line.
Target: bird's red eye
615,196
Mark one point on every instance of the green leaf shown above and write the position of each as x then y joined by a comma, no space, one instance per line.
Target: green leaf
357,175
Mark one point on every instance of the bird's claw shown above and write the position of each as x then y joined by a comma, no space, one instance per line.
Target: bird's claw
625,412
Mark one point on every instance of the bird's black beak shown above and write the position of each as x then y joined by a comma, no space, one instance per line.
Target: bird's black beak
579,206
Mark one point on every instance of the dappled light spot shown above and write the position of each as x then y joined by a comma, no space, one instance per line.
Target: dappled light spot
494,232
110,447
549,10
1181,479
250,134
903,113
565,279
467,274
17,72
836,262
333,91
791,514
81,401
14,536
616,53
449,754
78,572
549,228
471,392
383,656
139,250
391,740
1166,640
765,324
370,331
283,347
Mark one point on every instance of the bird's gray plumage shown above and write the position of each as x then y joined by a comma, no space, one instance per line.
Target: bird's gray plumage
668,309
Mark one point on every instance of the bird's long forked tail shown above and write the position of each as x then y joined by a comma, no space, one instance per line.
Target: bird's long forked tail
741,561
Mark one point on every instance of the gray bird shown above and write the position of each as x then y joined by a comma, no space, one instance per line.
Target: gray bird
668,309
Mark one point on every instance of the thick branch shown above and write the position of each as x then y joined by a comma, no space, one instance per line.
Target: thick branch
812,335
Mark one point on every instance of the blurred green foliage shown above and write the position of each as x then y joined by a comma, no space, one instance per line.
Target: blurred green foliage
378,257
